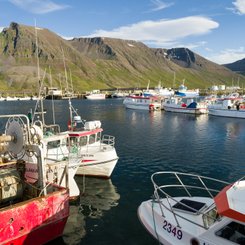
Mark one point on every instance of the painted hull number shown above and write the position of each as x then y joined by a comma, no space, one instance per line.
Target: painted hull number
172,230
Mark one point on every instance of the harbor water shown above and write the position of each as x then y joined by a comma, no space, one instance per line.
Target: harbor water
146,142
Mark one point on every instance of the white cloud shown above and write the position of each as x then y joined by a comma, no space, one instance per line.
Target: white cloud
65,37
239,6
159,5
163,32
38,6
228,56
1,29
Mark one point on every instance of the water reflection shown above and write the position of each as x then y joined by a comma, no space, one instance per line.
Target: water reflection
97,197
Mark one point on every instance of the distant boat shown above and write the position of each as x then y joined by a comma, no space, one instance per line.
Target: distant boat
150,103
117,94
54,93
192,209
183,91
184,105
229,106
163,91
95,95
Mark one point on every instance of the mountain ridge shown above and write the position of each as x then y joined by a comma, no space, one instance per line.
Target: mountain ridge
99,62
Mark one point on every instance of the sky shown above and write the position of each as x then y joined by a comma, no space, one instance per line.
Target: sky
213,29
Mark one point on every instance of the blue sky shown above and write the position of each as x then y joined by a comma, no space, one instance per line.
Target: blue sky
212,28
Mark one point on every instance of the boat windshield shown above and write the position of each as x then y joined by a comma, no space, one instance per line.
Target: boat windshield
210,217
233,231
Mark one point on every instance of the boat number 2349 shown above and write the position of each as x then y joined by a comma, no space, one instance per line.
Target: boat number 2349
172,230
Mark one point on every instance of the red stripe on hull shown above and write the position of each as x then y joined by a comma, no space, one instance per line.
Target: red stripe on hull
35,221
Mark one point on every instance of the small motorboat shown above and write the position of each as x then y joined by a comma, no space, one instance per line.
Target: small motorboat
192,209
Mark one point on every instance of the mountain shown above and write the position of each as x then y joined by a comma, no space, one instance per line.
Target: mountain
98,63
238,66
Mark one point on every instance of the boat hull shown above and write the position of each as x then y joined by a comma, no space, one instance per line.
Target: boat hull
227,113
94,168
196,111
35,221
96,97
55,174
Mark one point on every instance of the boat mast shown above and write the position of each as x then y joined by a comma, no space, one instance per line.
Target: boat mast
51,82
67,87
38,75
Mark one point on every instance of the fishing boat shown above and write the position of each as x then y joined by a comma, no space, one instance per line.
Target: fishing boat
30,213
192,209
95,95
183,91
57,153
184,105
96,152
54,93
228,107
160,91
141,102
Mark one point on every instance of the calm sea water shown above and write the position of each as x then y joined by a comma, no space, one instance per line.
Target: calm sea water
146,142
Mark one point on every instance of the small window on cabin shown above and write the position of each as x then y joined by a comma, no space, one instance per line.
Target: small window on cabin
83,141
53,144
233,231
91,138
73,140
210,217
98,136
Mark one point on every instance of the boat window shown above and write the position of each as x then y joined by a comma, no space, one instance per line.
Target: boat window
98,136
189,206
210,217
91,138
53,144
234,232
83,140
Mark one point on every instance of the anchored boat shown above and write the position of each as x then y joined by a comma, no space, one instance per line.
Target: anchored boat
192,209
96,152
30,213
150,103
184,105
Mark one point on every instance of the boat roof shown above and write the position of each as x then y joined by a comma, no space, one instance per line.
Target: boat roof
53,137
79,133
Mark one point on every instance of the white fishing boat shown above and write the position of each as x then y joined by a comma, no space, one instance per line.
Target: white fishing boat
228,107
183,91
57,154
54,93
150,103
96,152
192,209
160,91
184,105
95,95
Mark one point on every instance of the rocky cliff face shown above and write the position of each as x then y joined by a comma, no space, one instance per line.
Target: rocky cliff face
95,48
98,63
238,66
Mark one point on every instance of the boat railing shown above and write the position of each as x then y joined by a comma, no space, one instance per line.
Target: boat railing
190,185
107,140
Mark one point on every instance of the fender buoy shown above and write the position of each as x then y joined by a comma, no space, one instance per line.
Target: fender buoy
151,107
